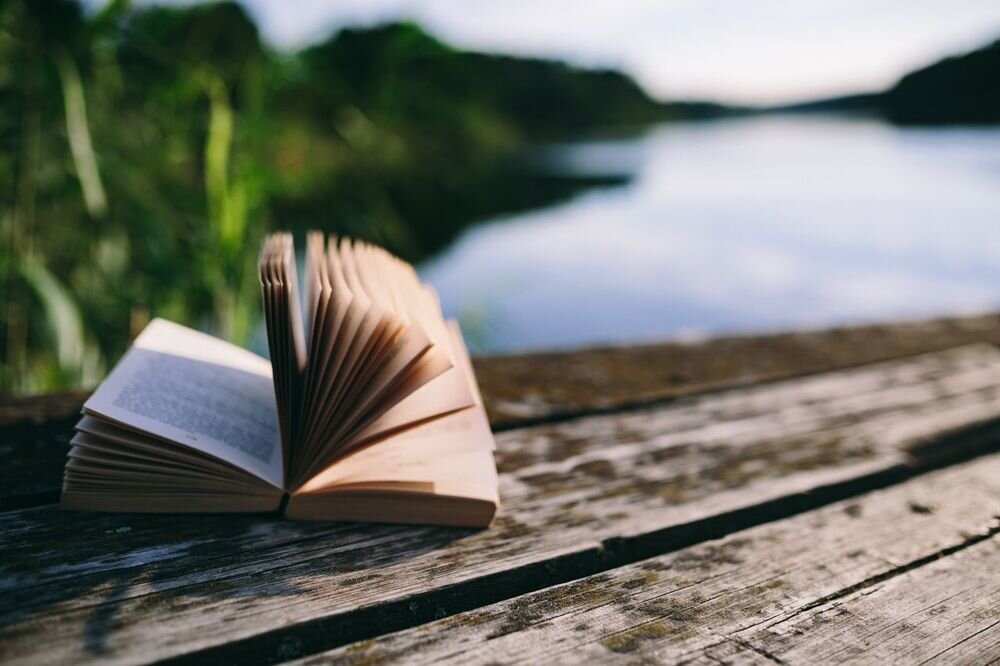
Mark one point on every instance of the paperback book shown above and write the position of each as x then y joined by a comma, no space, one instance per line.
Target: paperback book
366,410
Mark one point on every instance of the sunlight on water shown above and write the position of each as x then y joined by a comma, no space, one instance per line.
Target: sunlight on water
738,226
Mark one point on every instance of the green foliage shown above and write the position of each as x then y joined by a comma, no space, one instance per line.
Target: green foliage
962,89
148,151
957,90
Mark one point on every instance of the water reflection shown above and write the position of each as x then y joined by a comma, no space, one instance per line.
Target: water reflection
742,225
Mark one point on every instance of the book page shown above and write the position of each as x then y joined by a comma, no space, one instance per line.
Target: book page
453,454
382,357
285,336
446,393
455,449
450,391
187,387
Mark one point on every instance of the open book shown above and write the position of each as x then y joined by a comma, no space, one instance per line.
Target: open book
367,410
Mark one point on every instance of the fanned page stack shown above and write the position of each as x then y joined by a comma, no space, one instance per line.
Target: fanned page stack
367,410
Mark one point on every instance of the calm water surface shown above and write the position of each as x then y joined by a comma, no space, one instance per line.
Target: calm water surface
738,226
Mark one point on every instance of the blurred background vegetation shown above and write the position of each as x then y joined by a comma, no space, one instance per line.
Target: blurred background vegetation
147,151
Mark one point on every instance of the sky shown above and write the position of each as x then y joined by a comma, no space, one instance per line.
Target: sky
737,51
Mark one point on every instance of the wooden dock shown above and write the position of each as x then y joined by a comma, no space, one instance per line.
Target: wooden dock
794,499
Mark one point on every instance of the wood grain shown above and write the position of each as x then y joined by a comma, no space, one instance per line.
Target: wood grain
530,386
946,612
899,575
579,497
526,389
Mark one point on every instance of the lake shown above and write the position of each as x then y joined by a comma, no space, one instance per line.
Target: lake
737,226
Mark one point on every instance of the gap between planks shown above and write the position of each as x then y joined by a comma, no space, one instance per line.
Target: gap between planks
366,627
945,403
907,573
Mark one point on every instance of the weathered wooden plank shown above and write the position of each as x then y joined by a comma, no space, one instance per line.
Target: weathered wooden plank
543,385
32,455
579,496
903,574
38,409
34,439
947,612
522,389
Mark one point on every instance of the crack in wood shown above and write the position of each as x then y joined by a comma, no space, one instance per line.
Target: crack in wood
758,650
964,640
329,628
326,633
662,611
861,586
